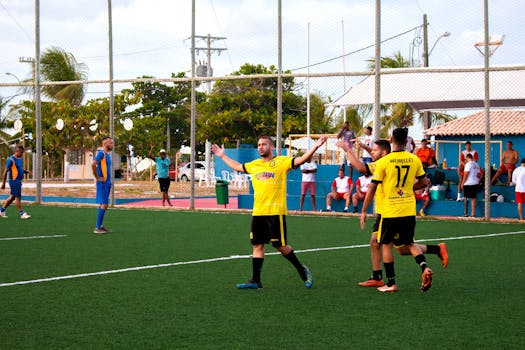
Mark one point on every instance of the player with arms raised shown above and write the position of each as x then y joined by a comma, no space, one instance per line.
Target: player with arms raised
269,207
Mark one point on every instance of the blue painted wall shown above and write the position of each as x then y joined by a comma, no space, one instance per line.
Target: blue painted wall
451,151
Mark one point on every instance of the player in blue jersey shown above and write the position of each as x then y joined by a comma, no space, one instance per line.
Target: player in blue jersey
14,168
101,167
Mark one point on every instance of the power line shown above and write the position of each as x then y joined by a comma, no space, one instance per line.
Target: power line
358,50
31,39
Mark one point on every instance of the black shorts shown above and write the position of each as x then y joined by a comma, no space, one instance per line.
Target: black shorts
266,229
164,183
398,230
470,191
377,224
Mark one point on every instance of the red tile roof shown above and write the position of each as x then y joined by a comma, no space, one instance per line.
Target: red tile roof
502,122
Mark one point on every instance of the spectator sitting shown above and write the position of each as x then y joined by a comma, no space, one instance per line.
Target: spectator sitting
422,194
508,163
426,154
341,189
361,187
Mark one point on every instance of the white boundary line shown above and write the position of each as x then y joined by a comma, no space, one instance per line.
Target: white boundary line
30,237
232,257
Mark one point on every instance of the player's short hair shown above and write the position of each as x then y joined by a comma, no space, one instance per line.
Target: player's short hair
383,144
267,138
104,138
467,143
369,128
400,135
468,156
20,147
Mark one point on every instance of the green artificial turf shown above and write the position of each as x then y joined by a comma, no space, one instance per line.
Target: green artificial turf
476,303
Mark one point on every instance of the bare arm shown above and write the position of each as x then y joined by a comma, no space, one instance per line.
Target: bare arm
356,163
465,175
420,183
4,179
368,199
365,146
302,159
150,154
233,164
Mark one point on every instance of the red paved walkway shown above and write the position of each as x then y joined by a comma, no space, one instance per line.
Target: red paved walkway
200,203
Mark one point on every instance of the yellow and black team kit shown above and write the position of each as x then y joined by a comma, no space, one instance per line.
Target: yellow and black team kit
396,172
269,207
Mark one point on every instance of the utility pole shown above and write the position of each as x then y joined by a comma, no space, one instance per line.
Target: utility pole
426,114
209,50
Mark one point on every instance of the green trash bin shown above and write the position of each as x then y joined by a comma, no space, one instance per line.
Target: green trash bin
221,191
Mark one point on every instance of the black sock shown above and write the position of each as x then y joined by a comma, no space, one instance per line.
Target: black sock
433,249
390,274
377,275
257,264
421,261
291,257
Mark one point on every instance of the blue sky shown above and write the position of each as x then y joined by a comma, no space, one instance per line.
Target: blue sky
150,36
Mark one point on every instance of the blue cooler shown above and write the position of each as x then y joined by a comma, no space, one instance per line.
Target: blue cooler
437,192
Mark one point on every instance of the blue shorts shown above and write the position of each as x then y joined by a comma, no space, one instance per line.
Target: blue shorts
103,191
16,187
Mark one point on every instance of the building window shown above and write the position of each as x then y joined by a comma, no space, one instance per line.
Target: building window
75,157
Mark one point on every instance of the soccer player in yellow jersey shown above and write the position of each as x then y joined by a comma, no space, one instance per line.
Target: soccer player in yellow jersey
269,207
397,173
379,149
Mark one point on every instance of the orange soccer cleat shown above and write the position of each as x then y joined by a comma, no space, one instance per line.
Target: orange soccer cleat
443,254
372,283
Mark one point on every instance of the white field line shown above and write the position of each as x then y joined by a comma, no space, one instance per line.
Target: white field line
232,257
30,237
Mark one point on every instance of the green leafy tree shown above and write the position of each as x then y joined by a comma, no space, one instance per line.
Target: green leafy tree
402,114
157,106
239,111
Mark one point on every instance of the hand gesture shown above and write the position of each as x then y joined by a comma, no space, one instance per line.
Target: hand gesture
320,141
342,145
218,151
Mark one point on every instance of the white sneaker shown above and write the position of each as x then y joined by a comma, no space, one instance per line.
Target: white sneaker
2,215
460,199
25,216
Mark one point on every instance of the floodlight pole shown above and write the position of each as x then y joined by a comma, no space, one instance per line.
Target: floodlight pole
193,109
376,126
488,174
38,114
111,101
279,81
426,114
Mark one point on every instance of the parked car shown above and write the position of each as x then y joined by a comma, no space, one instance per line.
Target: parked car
184,173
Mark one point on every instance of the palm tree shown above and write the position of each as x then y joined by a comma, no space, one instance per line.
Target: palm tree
402,114
59,65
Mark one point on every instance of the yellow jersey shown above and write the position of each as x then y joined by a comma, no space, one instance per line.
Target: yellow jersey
396,172
371,167
269,185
